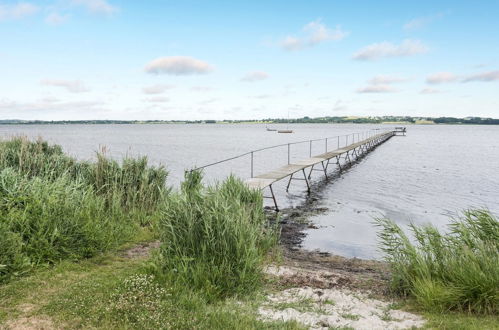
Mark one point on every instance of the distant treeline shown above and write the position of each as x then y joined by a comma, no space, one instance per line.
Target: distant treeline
306,120
468,120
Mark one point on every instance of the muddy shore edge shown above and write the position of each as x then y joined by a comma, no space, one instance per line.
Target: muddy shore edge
352,273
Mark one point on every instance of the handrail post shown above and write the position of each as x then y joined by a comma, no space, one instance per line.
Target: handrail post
310,150
346,140
338,141
252,164
326,144
288,153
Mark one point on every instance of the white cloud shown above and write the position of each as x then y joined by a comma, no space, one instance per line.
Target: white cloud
419,22
319,32
483,76
292,43
447,77
201,88
379,50
429,91
339,105
314,32
416,23
178,65
73,86
17,11
261,96
377,89
381,84
158,99
48,104
383,79
255,76
56,19
441,77
97,6
156,89
208,101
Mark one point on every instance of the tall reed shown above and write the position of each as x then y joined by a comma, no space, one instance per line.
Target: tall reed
214,239
458,270
53,207
138,185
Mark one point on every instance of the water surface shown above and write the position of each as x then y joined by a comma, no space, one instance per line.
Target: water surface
426,177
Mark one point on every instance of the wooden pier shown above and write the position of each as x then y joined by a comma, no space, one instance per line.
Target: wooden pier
297,170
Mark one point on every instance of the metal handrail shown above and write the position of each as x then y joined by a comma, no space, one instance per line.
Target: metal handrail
365,134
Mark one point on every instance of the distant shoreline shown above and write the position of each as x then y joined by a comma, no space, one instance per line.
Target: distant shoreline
386,120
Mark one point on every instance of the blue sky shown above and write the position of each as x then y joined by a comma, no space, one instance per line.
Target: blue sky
110,59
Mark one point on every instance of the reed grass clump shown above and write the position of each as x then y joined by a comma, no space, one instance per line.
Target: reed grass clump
214,239
43,222
139,186
456,270
53,207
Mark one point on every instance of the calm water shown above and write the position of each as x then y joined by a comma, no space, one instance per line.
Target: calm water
428,176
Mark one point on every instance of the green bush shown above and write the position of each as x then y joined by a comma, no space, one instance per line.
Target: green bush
53,207
458,270
12,261
214,239
138,186
47,221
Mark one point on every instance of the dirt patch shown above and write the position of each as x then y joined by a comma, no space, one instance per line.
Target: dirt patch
335,271
30,323
334,308
142,250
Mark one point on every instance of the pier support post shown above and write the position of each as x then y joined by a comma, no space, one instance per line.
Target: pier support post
273,197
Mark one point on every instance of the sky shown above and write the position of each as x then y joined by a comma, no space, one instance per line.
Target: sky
176,60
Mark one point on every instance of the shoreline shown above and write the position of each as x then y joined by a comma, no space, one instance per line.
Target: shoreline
357,273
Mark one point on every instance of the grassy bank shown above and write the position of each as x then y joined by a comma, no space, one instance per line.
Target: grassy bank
61,220
455,271
53,207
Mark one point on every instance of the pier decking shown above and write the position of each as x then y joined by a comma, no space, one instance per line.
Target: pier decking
349,153
297,170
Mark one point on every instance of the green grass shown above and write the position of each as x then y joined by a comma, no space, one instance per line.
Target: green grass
55,208
133,182
112,292
214,239
456,271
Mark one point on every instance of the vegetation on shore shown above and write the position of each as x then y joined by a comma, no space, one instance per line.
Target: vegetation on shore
64,224
214,239
53,207
55,212
458,270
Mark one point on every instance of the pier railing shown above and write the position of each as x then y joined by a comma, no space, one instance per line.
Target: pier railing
338,141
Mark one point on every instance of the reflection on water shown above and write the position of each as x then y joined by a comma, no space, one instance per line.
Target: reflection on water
426,177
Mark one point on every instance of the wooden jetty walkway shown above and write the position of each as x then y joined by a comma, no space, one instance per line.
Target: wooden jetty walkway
297,170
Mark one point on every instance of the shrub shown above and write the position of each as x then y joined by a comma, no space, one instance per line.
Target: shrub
53,207
46,221
138,186
457,270
214,239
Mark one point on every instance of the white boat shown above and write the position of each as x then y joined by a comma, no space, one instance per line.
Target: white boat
287,130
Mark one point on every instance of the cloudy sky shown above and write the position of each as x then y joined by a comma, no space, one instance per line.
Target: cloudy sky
112,59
